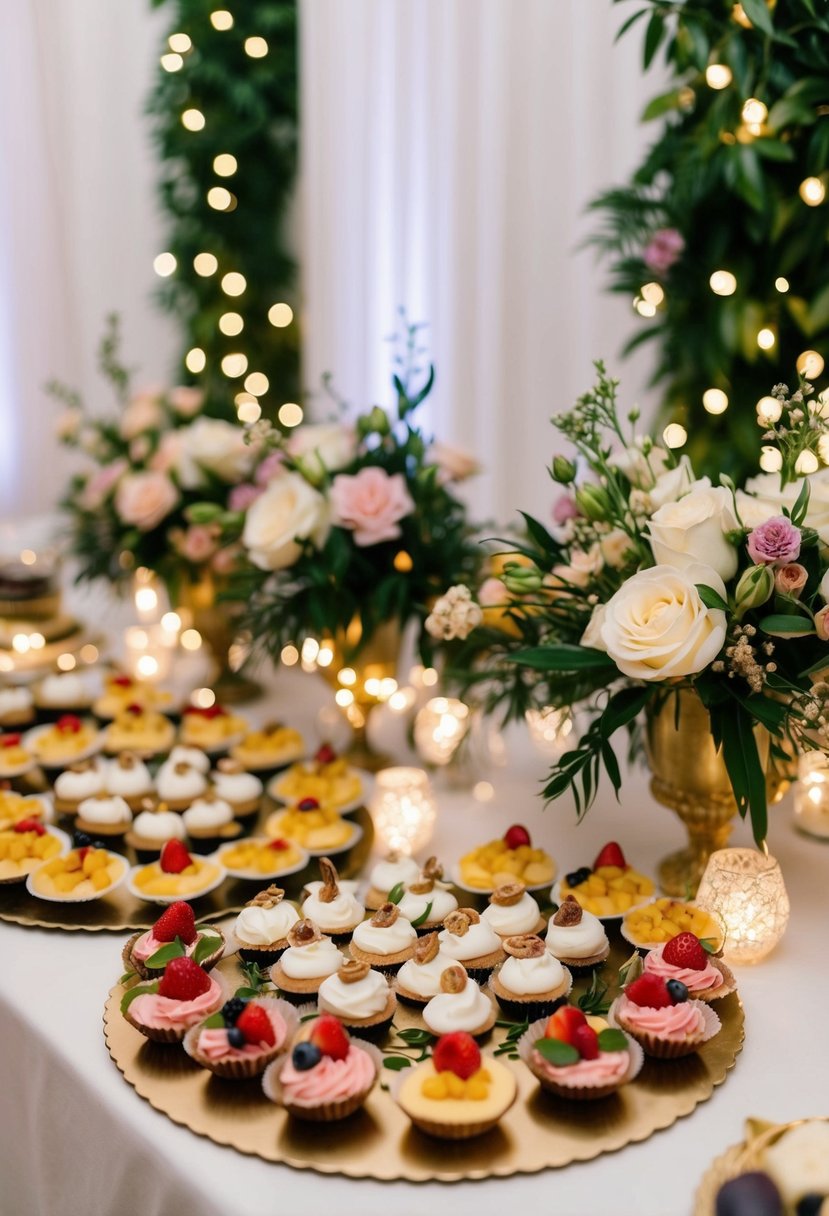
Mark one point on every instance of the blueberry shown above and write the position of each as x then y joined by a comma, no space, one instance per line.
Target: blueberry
749,1195
231,1010
81,840
677,991
810,1205
575,877
584,873
235,1037
305,1056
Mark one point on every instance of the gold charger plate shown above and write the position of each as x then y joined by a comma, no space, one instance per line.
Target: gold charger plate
539,1132
121,911
740,1159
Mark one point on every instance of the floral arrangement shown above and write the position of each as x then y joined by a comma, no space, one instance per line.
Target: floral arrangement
151,463
652,580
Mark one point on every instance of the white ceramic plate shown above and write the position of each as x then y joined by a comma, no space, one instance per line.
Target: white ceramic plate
366,790
271,765
67,899
255,875
646,947
171,899
30,740
65,846
17,770
272,832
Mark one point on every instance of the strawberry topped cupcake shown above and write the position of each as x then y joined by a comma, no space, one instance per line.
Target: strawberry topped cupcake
205,944
658,1014
685,958
579,1057
164,1010
327,1076
243,1038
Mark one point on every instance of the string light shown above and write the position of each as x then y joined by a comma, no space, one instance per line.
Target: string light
256,47
754,112
89,653
195,360
181,43
280,315
806,463
644,308
221,19
718,76
172,63
147,665
653,293
769,411
225,165
812,191
723,283
66,662
781,284
193,120
347,676
257,383
289,655
205,264
674,435
290,414
171,622
233,283
771,460
249,411
738,14
231,323
220,199
235,364
28,557
810,364
344,697
766,338
203,698
715,401
191,639
164,265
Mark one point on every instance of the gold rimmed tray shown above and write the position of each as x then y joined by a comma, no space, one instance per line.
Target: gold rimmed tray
539,1132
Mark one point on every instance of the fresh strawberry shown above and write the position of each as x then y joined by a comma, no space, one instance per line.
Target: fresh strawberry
135,709
308,804
174,857
586,1042
183,980
515,836
329,1035
458,1053
279,845
684,950
256,1026
325,754
176,921
649,990
69,724
122,681
209,712
10,740
30,825
563,1024
611,855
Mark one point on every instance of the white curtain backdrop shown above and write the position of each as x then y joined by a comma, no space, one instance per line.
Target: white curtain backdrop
449,149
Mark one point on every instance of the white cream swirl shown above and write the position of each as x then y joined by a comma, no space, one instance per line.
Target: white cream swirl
204,813
509,920
480,939
311,961
577,941
423,979
176,783
387,874
105,810
467,1010
413,906
262,926
314,887
75,786
193,756
129,781
391,939
343,912
363,999
237,787
527,976
70,689
159,826
13,700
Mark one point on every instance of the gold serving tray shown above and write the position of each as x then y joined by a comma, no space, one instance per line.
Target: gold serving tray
539,1132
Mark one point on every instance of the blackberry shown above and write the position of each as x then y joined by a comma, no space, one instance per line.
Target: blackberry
81,840
231,1010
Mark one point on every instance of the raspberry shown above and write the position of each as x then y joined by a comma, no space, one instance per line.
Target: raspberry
458,1053
328,1033
69,724
586,1042
256,1026
516,836
279,845
183,980
684,950
176,921
10,740
174,857
30,825
611,855
325,754
649,990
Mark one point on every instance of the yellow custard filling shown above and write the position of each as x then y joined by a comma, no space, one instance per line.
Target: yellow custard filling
417,1098
144,731
80,874
493,864
55,743
197,877
333,784
262,745
260,858
21,852
610,890
200,731
663,919
321,828
13,757
446,1084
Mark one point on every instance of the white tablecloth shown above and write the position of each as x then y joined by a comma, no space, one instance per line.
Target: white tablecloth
75,1140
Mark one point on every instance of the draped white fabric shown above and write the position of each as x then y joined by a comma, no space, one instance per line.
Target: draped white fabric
449,149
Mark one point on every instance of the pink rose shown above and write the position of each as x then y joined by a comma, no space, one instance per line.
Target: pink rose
370,503
775,543
143,413
269,468
822,623
242,496
663,249
454,464
144,499
565,508
491,592
186,400
101,484
226,559
198,543
140,449
168,455
790,579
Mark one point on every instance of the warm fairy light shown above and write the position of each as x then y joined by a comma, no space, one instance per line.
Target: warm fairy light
172,62
28,557
754,112
718,76
806,463
66,662
171,622
37,641
744,891
644,308
233,283
289,655
195,360
136,638
347,676
164,265
325,657
146,665
674,435
439,728
738,14
244,399
89,653
235,364
769,411
403,562
781,284
402,700
653,293
231,323
257,383
550,729
221,19
280,315
205,264
193,120
811,794
810,364
403,809
180,43
429,677
191,639
766,338
812,191
715,401
20,643
483,791
6,662
220,199
771,460
256,47
225,165
249,411
146,600
203,698
290,414
723,283
310,650
344,697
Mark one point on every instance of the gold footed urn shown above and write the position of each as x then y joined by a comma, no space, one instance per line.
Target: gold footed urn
690,777
363,678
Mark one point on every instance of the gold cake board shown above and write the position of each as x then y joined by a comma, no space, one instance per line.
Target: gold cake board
539,1132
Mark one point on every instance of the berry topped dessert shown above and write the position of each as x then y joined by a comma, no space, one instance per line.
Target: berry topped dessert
243,1038
610,887
175,927
662,919
65,741
327,1076
24,846
660,1016
137,729
272,746
690,960
15,758
457,1094
212,729
579,1057
328,778
165,1009
312,826
176,875
510,859
86,872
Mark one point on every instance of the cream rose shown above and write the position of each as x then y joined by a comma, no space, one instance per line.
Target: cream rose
675,483
287,512
144,499
585,564
216,446
693,530
322,448
640,470
766,497
656,627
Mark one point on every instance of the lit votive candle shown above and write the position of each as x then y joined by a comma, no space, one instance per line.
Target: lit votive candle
403,809
743,889
811,794
439,728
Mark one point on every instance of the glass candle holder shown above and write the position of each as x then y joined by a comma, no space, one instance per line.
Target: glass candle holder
439,728
743,889
403,809
811,794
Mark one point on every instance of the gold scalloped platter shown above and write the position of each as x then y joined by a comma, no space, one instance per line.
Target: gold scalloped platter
539,1132
121,910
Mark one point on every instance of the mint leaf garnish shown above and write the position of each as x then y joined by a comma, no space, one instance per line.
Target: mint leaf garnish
205,946
396,1063
139,990
214,1022
556,1052
163,956
612,1040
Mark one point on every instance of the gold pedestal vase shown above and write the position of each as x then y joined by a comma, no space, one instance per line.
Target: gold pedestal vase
357,677
217,621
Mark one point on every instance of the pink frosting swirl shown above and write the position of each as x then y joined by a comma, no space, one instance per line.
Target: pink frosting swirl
330,1080
163,1011
675,1022
695,981
148,943
608,1068
214,1045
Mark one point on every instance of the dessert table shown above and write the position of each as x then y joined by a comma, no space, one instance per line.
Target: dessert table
75,1138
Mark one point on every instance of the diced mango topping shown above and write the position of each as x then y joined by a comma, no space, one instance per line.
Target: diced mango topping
447,1085
493,865
610,890
663,919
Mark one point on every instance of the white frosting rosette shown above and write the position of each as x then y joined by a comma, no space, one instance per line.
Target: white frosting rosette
387,873
310,962
14,701
341,913
511,920
414,906
128,781
479,939
193,756
530,976
363,999
205,814
107,811
258,926
159,826
583,940
449,1011
384,939
179,782
423,979
73,786
70,689
236,787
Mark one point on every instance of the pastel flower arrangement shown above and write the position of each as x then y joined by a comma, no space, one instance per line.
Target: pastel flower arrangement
649,581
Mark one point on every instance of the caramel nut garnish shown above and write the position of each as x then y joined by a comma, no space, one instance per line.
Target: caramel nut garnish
426,948
80,766
525,945
385,916
457,923
303,933
508,894
433,869
268,898
423,886
329,890
352,971
270,728
228,765
471,915
569,912
181,767
453,979
127,760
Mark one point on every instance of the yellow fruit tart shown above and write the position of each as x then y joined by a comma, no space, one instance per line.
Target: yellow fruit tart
458,1093
26,846
14,807
663,919
64,742
328,778
319,829
140,730
78,876
271,747
176,875
259,857
121,690
15,758
213,729
507,860
608,888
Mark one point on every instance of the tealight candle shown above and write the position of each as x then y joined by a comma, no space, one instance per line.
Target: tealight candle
811,794
403,809
743,889
439,728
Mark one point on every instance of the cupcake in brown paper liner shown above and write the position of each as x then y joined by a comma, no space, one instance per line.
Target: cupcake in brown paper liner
530,982
243,1037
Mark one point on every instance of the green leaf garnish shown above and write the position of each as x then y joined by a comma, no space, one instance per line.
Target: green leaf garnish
246,994
556,1052
214,1022
205,947
594,1000
138,990
612,1040
127,976
415,1038
163,956
253,974
396,893
424,916
708,944
396,1063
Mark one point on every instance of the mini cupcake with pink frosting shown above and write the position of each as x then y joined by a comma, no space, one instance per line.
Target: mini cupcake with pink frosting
243,1038
684,958
164,1010
579,1057
327,1076
659,1015
176,926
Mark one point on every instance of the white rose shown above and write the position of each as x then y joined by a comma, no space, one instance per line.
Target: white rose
455,464
693,530
322,448
673,484
656,627
592,635
766,490
288,511
214,445
640,470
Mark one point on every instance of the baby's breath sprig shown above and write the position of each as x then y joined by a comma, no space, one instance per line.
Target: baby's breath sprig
794,428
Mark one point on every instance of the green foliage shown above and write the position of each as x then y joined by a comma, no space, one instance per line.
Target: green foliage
250,110
731,191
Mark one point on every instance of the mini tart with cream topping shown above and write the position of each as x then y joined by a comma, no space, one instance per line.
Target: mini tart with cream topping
385,941
360,997
309,959
262,927
104,815
243,1037
128,777
209,823
152,827
179,784
418,980
336,910
513,911
456,1094
136,729
460,1005
269,748
85,779
213,728
576,937
328,778
394,868
174,933
241,790
579,1057
659,1015
176,874
16,707
531,982
63,742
